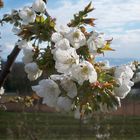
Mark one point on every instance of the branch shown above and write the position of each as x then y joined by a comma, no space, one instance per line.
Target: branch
47,14
1,4
8,65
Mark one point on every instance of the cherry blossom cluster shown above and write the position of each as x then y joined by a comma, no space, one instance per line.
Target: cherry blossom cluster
74,80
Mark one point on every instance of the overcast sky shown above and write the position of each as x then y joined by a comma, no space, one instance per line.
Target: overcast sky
119,19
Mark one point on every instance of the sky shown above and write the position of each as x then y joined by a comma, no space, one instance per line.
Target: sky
117,19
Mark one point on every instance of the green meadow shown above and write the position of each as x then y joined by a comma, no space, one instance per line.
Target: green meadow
54,126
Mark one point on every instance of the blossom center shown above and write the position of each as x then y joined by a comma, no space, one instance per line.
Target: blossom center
70,61
30,13
84,70
76,35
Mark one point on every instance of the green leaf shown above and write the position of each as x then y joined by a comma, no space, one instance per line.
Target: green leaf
40,19
107,46
80,19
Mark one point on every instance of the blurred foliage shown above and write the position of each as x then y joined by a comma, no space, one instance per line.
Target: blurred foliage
27,101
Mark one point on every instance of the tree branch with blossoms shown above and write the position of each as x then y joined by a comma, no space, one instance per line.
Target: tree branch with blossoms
14,18
74,81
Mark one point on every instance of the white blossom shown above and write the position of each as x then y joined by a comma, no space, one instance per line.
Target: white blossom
122,91
124,71
64,104
76,38
48,90
64,59
56,37
39,6
123,75
57,77
64,30
27,15
73,35
63,44
84,71
95,42
60,34
33,71
28,55
67,84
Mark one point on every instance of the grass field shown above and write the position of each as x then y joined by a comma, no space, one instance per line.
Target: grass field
53,126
